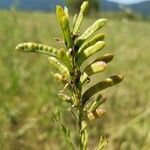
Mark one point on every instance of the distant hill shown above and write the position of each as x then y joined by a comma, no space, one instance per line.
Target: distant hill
43,5
142,7
49,5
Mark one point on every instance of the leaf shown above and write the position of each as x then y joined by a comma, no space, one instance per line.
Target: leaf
63,69
90,31
89,51
113,80
67,137
79,19
102,142
37,48
95,39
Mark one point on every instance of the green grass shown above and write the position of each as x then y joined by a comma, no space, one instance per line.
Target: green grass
28,93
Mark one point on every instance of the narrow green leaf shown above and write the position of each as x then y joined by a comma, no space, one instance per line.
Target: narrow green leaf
67,137
78,22
63,69
102,143
37,48
101,86
90,31
89,51
95,39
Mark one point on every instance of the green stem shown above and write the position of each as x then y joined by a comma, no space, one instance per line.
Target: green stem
81,129
77,95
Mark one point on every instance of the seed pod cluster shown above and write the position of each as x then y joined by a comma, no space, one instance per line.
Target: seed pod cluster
79,47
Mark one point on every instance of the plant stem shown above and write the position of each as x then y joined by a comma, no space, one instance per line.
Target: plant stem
80,115
77,95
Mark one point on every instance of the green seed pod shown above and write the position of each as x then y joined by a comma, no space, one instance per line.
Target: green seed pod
74,20
89,51
60,78
113,80
99,37
64,23
106,58
96,103
65,97
64,56
66,31
78,22
91,30
66,11
95,67
98,113
37,48
63,69
92,69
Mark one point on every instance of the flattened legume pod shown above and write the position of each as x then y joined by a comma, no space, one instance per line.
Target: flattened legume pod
81,57
37,48
63,69
91,30
100,86
99,37
79,19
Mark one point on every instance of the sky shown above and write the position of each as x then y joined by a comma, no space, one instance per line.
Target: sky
128,1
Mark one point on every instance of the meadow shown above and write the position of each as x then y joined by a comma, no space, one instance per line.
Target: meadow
28,94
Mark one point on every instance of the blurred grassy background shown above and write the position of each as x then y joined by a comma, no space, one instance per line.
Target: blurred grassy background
28,94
